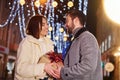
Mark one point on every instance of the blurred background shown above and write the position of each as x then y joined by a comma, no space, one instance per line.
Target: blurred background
103,20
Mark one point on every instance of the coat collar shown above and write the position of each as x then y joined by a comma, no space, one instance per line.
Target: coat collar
32,39
76,30
79,31
36,41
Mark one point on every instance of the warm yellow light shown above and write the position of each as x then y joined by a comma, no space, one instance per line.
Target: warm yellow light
117,54
37,3
109,67
22,2
54,3
42,1
112,9
65,39
66,35
118,48
50,28
61,30
70,4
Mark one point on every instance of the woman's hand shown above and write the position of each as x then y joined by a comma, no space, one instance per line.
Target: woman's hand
49,68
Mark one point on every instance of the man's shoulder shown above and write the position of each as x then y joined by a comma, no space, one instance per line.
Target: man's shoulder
87,35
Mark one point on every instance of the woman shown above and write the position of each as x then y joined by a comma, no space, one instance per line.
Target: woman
31,48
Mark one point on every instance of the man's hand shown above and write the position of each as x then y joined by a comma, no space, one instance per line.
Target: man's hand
49,69
57,71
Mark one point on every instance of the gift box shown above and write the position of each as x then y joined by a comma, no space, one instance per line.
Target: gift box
44,59
51,57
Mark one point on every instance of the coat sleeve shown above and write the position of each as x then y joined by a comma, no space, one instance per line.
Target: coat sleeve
88,61
25,65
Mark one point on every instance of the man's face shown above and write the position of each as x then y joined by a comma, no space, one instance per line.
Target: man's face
69,24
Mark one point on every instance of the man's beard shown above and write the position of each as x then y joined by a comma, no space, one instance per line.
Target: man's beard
70,29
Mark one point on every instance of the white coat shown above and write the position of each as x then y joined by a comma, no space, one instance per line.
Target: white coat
28,54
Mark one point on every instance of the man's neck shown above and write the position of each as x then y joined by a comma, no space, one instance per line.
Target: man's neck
76,29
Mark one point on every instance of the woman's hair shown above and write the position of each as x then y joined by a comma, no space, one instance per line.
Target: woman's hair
76,13
34,26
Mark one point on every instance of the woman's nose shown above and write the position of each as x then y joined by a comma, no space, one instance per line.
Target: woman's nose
46,26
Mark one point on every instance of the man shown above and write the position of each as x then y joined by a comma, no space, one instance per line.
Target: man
83,58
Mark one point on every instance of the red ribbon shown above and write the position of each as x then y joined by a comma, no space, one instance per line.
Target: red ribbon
55,57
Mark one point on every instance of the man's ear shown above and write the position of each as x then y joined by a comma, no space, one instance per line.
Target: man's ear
76,21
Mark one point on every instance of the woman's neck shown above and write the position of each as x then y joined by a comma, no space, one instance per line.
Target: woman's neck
41,36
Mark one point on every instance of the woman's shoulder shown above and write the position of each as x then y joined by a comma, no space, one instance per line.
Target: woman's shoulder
48,40
24,41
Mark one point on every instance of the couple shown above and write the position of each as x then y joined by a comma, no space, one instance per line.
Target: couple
82,60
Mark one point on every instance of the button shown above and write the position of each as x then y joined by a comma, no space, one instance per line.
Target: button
66,74
67,64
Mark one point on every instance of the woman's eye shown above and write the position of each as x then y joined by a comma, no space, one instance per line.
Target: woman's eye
43,24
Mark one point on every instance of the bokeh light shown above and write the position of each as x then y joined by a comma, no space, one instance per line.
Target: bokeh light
111,8
43,2
22,2
37,3
70,4
54,3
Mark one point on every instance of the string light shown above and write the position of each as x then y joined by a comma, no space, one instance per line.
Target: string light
56,38
61,30
10,16
56,32
65,39
37,3
22,2
50,28
54,3
20,25
70,4
42,2
32,4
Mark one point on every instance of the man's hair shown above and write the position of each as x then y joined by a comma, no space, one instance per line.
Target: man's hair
34,26
76,13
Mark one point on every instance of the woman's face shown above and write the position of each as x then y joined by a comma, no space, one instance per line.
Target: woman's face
44,30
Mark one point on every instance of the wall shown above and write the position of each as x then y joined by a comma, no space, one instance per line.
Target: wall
106,27
9,37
